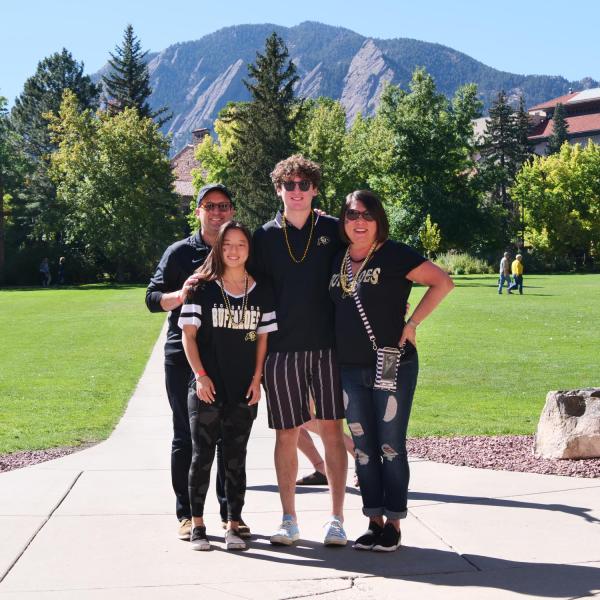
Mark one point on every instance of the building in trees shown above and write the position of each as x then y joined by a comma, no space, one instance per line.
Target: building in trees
182,164
581,116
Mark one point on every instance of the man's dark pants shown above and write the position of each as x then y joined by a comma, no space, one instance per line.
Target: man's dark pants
177,378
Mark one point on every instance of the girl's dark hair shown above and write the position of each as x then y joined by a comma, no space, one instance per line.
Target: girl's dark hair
373,204
214,266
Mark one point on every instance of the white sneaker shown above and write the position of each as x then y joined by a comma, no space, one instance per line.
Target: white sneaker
287,533
334,532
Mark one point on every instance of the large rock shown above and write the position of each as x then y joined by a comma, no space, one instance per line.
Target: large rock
569,425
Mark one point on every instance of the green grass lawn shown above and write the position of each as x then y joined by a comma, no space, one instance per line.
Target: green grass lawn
69,361
70,358
487,361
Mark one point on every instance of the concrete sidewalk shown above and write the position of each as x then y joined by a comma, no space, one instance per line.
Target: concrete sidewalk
99,524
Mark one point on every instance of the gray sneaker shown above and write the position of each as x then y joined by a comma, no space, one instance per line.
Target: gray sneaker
198,539
233,541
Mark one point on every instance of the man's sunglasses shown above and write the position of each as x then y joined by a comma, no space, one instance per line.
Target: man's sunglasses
221,207
353,215
303,185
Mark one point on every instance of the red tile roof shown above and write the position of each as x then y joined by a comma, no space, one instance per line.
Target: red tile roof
552,103
578,125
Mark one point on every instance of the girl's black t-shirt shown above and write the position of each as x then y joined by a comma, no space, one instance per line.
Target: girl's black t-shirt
227,344
383,290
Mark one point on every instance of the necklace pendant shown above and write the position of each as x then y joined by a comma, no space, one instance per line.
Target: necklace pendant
250,336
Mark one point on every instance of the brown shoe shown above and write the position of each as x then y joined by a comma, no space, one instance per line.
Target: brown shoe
185,529
315,478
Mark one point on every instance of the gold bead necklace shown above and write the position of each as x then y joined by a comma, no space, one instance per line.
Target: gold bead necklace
348,287
287,241
228,304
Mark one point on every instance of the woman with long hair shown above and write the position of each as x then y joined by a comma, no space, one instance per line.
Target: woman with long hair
377,351
225,323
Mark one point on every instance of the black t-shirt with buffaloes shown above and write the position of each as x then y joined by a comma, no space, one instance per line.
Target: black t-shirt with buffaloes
304,309
383,290
227,341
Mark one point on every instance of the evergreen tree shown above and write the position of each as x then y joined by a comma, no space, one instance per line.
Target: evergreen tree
503,151
263,131
560,130
128,83
42,94
39,216
13,168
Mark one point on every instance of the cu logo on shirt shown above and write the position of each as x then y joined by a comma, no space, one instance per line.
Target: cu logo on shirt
323,240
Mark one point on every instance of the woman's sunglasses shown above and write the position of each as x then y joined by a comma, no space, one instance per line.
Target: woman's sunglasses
303,185
353,215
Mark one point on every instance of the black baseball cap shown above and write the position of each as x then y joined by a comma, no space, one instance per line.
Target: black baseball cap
212,187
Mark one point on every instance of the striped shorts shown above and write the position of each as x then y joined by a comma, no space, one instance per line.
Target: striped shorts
292,378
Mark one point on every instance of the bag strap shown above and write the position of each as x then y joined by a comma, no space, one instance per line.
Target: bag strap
359,306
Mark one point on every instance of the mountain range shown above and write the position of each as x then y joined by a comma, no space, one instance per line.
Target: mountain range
196,79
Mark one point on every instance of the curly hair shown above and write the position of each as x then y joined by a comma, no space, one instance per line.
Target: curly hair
300,167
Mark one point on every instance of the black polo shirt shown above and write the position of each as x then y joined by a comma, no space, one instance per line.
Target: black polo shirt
178,262
304,309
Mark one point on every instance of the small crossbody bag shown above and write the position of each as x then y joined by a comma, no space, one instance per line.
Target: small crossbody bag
388,358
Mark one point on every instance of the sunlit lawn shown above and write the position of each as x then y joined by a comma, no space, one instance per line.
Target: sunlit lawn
487,361
70,358
69,361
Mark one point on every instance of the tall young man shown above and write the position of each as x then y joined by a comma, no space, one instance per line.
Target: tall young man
167,292
295,250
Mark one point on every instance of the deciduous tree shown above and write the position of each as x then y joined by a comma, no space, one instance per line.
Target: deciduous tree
114,180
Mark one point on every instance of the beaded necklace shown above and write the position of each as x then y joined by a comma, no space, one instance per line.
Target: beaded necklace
287,241
228,304
348,287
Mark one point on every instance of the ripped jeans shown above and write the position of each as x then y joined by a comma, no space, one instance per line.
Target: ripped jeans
378,421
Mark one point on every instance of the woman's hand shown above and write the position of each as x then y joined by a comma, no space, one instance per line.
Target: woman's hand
253,393
205,389
409,334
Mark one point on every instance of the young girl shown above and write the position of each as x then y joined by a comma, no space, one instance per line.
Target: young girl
225,323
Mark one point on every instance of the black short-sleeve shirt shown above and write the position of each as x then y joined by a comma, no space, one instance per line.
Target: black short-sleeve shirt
227,347
383,290
304,309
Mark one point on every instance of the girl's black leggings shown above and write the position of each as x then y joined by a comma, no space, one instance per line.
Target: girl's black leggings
230,421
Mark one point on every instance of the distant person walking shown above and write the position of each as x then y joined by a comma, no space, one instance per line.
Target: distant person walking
61,270
45,277
517,273
504,273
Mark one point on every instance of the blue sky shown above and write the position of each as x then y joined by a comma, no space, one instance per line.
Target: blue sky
550,37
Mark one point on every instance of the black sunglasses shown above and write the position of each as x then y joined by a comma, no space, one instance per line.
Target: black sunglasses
221,207
303,185
353,215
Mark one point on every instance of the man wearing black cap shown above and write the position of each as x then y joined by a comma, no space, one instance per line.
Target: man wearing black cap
167,292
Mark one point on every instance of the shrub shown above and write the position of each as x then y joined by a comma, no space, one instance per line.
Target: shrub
461,263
